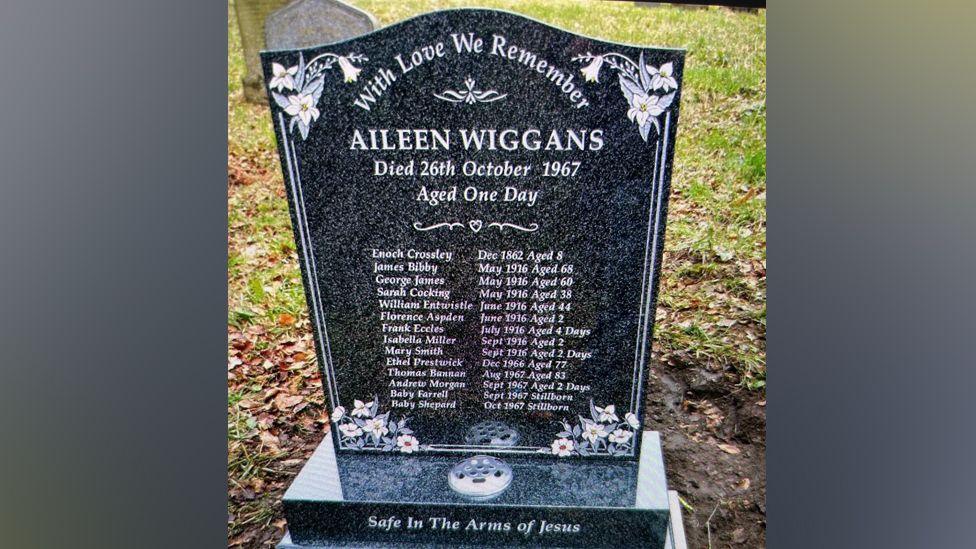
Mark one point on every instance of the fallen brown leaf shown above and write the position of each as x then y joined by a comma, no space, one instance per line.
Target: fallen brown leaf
744,198
246,403
241,540
285,402
729,449
286,319
268,439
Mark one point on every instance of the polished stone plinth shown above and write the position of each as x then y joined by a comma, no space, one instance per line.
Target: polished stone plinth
374,501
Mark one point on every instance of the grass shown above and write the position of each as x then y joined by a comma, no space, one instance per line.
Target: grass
711,310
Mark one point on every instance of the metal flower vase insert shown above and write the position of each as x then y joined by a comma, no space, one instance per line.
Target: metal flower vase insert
479,203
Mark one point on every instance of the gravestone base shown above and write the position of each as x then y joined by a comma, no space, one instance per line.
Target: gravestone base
384,500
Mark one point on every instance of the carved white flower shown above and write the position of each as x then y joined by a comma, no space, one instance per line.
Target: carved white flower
376,426
361,409
351,430
562,447
663,78
591,72
282,78
349,72
607,414
302,105
338,413
632,420
593,431
643,107
407,444
620,436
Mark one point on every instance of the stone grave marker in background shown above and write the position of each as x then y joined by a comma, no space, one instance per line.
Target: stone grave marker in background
273,25
306,23
479,204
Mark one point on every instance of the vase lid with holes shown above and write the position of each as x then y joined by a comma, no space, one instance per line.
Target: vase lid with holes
478,202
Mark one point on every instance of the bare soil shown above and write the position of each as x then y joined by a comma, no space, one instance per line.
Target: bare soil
714,436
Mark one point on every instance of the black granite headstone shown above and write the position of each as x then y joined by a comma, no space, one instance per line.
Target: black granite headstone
479,204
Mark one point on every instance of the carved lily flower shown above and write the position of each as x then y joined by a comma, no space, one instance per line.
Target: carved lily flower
620,436
338,413
593,431
632,420
351,430
562,447
349,71
663,78
282,78
361,409
643,107
376,427
302,105
607,414
591,72
407,444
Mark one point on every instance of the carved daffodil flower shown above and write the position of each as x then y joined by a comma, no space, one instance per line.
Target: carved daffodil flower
632,420
607,414
562,447
663,78
282,78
